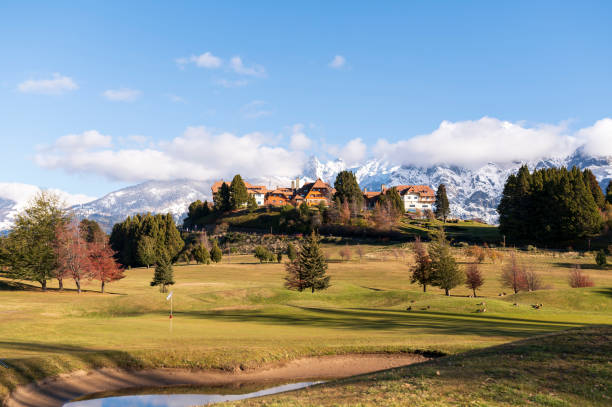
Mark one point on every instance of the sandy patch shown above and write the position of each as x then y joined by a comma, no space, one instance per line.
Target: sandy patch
54,392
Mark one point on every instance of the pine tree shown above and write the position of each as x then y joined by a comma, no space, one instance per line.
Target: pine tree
446,273
146,251
201,255
163,276
216,254
309,269
252,203
592,184
291,252
92,232
238,193
442,205
422,271
609,192
347,188
221,199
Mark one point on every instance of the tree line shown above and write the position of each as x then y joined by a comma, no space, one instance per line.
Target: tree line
550,206
47,243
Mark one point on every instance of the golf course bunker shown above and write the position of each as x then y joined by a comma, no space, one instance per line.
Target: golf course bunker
57,391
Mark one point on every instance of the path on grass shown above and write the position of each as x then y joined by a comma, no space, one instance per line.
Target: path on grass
54,392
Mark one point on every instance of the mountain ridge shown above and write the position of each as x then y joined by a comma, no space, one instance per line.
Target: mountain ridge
473,193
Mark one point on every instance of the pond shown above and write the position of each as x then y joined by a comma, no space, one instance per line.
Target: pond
180,396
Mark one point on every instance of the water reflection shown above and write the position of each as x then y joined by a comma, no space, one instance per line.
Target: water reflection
181,400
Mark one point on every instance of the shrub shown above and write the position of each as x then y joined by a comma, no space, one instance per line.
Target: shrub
263,254
345,253
600,258
578,279
533,281
531,248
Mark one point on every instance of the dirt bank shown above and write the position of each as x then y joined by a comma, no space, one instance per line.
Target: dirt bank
54,392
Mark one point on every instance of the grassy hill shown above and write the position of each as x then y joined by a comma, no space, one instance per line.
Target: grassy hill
570,368
238,314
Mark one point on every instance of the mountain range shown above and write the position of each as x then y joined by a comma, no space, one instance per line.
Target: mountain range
473,192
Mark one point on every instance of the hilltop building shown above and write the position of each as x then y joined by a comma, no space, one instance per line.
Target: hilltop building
258,191
416,197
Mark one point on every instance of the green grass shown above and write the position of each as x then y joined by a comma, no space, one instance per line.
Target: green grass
571,368
239,315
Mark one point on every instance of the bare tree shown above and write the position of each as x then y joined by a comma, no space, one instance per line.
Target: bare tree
513,275
360,252
577,279
474,279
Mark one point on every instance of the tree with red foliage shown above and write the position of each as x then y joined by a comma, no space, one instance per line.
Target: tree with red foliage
103,266
514,275
577,279
71,254
473,277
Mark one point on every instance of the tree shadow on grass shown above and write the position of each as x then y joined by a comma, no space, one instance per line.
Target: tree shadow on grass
582,266
424,322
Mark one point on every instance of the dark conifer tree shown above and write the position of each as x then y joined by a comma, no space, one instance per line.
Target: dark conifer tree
609,192
347,188
309,270
164,275
592,184
442,205
238,193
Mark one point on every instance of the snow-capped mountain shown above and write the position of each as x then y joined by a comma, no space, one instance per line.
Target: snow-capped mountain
473,192
153,196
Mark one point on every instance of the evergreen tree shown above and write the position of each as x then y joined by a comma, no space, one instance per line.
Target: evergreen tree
196,214
549,206
347,188
29,250
252,203
601,258
291,252
442,205
446,273
147,251
92,232
308,271
238,193
609,192
164,275
216,254
201,255
221,199
592,184
422,271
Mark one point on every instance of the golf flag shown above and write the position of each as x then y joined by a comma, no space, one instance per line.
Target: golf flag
169,296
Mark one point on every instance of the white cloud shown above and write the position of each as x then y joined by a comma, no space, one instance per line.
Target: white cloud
205,60
58,84
474,143
22,194
122,95
353,152
299,140
597,138
226,83
255,110
338,62
198,154
87,140
238,66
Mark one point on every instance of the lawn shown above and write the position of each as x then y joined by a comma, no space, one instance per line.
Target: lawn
238,314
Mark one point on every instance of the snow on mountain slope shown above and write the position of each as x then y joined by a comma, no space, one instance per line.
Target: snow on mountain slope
153,196
473,193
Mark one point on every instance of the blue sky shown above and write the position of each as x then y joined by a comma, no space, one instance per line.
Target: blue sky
123,79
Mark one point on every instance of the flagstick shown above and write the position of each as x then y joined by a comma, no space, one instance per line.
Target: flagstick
171,298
